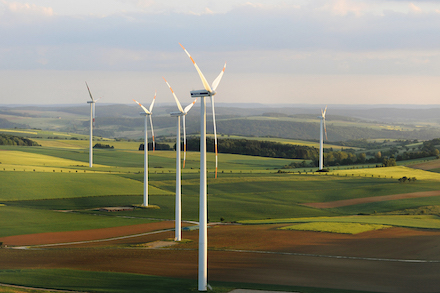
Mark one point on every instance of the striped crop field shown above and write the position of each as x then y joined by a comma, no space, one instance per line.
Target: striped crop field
390,172
410,221
336,227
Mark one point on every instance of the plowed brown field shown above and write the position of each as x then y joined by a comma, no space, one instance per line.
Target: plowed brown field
391,260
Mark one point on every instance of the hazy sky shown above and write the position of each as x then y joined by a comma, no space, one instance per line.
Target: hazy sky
291,51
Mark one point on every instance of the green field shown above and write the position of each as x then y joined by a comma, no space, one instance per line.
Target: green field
87,281
30,221
247,188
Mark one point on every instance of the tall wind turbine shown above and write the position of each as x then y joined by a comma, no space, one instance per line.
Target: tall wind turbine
203,216
146,113
92,124
182,113
322,129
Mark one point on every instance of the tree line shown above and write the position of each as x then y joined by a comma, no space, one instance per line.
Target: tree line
254,148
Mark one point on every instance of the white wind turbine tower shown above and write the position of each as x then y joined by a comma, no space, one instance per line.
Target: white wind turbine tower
203,216
322,129
92,124
146,113
182,113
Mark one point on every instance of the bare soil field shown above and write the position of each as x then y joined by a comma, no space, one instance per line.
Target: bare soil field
390,260
427,165
354,201
95,234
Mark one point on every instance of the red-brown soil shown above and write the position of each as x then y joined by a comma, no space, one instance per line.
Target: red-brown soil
354,201
296,257
72,236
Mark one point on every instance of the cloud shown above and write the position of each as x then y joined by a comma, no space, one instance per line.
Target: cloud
141,4
25,9
414,8
345,37
344,7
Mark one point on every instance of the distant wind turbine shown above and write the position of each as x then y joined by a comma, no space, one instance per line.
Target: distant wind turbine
92,124
182,113
203,216
147,112
322,129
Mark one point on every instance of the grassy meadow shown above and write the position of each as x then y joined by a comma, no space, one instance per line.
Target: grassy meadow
52,178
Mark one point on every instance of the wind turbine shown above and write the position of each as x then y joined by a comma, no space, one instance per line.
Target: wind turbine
182,113
92,124
321,137
146,113
203,216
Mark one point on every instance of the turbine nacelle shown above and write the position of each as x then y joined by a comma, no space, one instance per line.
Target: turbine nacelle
148,112
177,114
202,93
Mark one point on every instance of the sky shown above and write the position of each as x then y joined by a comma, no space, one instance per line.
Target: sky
277,51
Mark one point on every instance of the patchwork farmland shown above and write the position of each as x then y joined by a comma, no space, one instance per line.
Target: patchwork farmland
268,230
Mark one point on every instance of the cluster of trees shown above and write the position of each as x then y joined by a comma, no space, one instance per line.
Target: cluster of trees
103,146
158,146
428,149
6,139
255,148
407,179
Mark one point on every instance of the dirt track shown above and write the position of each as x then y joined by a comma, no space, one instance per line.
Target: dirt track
295,258
349,202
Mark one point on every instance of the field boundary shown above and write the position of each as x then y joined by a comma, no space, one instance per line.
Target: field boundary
37,289
355,201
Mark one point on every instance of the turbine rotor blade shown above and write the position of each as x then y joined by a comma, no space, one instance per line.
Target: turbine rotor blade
187,108
215,135
175,97
152,103
325,110
184,141
145,109
218,79
89,92
152,132
202,77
